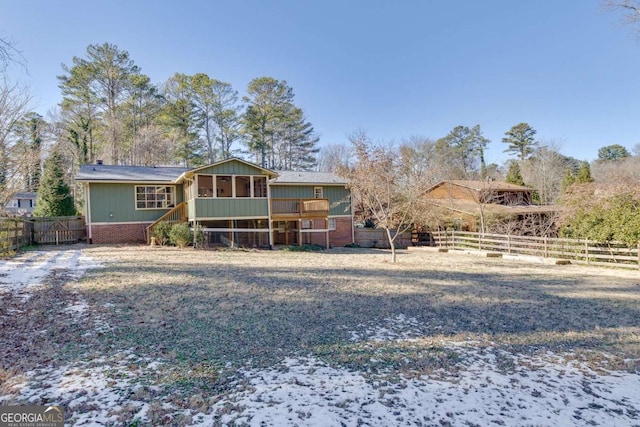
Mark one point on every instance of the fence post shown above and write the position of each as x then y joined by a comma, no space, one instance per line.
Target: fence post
509,243
546,247
586,249
638,255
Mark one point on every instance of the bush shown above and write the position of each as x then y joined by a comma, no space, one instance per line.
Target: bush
303,248
181,235
161,232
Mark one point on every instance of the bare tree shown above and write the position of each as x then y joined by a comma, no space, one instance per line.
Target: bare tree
334,157
544,171
389,191
9,55
630,9
14,100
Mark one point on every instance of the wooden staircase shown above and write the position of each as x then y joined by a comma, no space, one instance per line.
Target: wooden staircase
176,215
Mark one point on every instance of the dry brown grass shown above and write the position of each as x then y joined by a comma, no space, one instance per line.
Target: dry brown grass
207,314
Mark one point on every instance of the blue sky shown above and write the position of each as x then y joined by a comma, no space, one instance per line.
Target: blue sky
394,69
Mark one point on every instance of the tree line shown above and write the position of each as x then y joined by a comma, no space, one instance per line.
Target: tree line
111,111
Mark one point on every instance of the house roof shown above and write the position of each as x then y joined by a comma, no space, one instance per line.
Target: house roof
25,195
480,185
162,174
297,178
471,208
189,173
112,173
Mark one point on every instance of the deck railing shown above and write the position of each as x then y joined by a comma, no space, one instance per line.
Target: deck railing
299,208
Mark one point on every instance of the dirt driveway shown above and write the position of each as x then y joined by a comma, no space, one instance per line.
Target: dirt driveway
135,335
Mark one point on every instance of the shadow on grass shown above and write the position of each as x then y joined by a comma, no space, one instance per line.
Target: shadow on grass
211,316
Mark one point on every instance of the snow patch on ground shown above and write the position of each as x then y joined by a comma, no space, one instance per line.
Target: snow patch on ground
96,392
21,274
545,390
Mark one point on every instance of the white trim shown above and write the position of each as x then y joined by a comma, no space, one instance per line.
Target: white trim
315,230
131,182
228,218
306,184
123,223
233,230
338,216
135,197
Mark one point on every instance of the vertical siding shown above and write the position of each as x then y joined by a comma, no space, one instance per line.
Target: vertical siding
119,201
231,208
339,200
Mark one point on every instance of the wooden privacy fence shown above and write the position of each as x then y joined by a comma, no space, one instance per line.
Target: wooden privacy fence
377,238
15,233
578,250
57,230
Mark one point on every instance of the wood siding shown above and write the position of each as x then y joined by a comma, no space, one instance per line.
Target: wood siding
119,201
339,199
231,208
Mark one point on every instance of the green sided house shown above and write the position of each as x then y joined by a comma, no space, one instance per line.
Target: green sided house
236,203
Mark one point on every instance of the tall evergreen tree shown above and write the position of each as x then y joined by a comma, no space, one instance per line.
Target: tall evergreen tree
467,145
30,133
521,140
268,103
54,195
95,88
613,152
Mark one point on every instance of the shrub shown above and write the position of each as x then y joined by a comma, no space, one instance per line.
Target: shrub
161,232
303,248
181,235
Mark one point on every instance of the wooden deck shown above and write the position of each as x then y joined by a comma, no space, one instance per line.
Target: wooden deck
287,209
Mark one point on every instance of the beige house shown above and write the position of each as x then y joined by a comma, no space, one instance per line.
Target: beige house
461,203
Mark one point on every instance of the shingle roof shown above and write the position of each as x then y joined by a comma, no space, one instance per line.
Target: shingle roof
488,185
292,177
25,195
171,174
129,173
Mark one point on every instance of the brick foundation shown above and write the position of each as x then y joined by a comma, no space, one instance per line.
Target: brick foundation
118,233
338,237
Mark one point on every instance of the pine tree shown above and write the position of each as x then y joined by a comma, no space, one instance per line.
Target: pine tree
568,179
584,173
521,140
514,176
54,195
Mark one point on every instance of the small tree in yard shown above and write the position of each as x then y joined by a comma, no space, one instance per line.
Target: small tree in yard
388,191
54,195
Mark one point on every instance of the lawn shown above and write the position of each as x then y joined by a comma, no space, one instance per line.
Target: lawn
162,336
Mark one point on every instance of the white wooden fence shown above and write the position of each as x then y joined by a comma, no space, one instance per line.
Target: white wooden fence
578,250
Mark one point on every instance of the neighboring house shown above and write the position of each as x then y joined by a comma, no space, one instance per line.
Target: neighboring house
463,201
234,201
21,204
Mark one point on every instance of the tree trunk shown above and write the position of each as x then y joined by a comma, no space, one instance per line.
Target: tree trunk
392,244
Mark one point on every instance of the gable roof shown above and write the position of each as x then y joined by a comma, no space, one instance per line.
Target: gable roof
480,185
113,173
301,178
191,172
